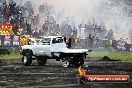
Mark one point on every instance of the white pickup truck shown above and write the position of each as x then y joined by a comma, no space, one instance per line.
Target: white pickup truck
53,47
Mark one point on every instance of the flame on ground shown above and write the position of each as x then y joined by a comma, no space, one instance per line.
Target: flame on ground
81,71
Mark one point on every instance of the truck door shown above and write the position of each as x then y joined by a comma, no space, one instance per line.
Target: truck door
44,47
57,44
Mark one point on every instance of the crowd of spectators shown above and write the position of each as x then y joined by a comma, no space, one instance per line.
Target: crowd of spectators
29,24
17,20
25,22
95,35
11,14
95,30
50,26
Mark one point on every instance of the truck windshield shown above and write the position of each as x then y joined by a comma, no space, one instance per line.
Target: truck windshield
46,41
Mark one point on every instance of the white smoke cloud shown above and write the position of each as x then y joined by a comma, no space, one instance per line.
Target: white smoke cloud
84,10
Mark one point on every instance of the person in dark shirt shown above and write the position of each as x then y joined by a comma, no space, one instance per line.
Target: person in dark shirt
12,6
4,7
110,34
15,29
28,28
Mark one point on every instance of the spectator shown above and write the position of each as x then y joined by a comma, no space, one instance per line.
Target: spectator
110,34
15,29
28,28
12,5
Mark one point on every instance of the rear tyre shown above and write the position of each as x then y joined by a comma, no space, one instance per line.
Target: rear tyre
27,59
66,62
41,61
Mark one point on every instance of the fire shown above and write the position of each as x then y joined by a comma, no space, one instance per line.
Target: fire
81,71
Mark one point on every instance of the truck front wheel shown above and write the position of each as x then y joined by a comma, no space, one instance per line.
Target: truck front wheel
27,59
41,61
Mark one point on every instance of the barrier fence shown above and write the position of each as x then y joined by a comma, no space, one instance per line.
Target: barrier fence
12,40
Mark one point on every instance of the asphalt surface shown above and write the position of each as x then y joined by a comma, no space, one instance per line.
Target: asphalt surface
53,75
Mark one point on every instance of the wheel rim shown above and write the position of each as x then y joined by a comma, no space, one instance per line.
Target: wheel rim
25,59
65,63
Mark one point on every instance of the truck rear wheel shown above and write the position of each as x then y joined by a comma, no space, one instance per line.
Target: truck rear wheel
27,59
41,61
66,62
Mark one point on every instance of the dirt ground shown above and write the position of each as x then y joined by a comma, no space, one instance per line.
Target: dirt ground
53,75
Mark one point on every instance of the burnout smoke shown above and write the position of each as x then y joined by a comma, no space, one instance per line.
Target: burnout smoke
110,13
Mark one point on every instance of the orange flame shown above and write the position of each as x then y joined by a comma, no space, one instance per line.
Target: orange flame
81,71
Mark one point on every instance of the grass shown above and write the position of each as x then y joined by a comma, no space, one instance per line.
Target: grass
11,56
124,56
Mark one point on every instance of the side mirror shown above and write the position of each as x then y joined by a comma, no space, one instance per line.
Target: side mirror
65,39
69,43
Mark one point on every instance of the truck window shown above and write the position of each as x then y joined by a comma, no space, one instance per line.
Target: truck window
57,40
46,41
